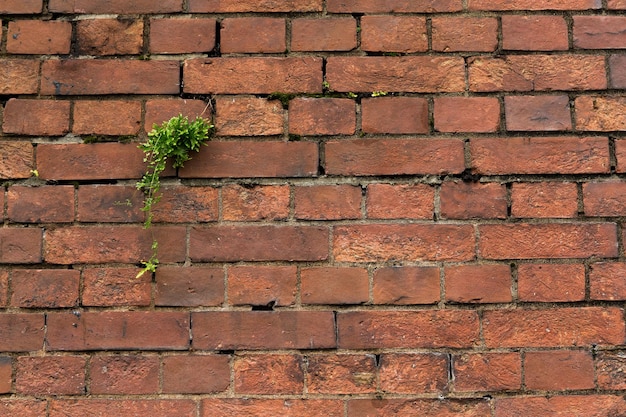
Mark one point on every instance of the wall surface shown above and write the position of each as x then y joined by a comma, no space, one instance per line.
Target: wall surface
410,208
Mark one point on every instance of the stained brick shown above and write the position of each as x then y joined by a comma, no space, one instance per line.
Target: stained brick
189,287
544,199
114,6
110,117
122,407
462,200
341,374
248,116
115,287
261,202
334,285
453,34
478,283
487,372
19,76
52,375
397,6
599,32
39,37
262,407
327,202
45,204
576,370
16,160
527,113
269,374
196,374
526,33
262,285
21,332
124,374
406,285
45,288
413,373
52,117
109,36
265,6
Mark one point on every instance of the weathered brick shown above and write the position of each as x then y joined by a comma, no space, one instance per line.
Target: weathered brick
21,332
396,329
257,407
406,285
467,114
404,34
323,34
39,37
255,75
262,285
620,154
575,370
6,375
248,116
21,245
606,281
616,4
107,117
253,35
400,201
109,36
334,285
537,73
21,6
600,32
534,155
265,6
409,373
487,372
406,242
551,282
115,287
269,374
124,374
181,376
50,375
341,374
544,199
595,113
220,330
260,202
478,283
604,198
16,160
393,6
45,288
109,203
419,74
464,200
327,202
115,6
109,76
19,76
53,117
617,70
418,408
611,369
189,287
526,33
118,330
395,156
554,327
122,407
527,113
4,287
534,5
23,407
162,110
182,36
45,204
454,34
322,116
182,204
395,115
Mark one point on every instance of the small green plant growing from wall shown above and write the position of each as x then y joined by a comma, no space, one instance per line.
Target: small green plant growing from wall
172,141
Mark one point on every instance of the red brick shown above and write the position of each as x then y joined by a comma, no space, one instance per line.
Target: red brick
534,5
39,37
400,201
611,369
551,282
23,407
322,116
395,156
257,75
393,6
396,329
620,154
526,33
604,114
109,76
115,6
544,200
6,375
19,76
418,408
45,288
617,71
20,245
122,408
606,281
259,243
563,240
124,244
115,287
109,36
264,6
109,203
21,6
118,330
464,200
555,327
162,110
395,115
110,117
269,374
189,287
527,113
406,242
327,202
333,285
599,32
21,332
124,374
257,407
467,114
259,202
341,374
182,204
393,34
196,374
413,373
52,117
45,204
487,372
616,4
419,74
454,34
253,35
262,285
534,155
253,159
182,36
77,161
220,330
323,34
478,283
575,370
537,73
406,285
4,287
604,198
16,160
50,375
248,116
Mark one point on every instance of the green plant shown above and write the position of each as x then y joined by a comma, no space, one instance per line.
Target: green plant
171,141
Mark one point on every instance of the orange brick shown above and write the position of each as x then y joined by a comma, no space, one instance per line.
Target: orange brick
487,372
322,116
413,373
405,34
50,375
406,285
393,6
606,281
525,33
467,114
162,110
463,200
262,285
401,201
544,199
261,202
182,36
341,374
111,117
16,160
551,282
19,76
478,283
248,116
269,374
328,202
334,285
453,34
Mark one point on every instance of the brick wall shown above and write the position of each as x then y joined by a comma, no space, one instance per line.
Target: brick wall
411,208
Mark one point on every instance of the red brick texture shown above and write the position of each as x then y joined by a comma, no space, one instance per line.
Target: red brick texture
408,208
